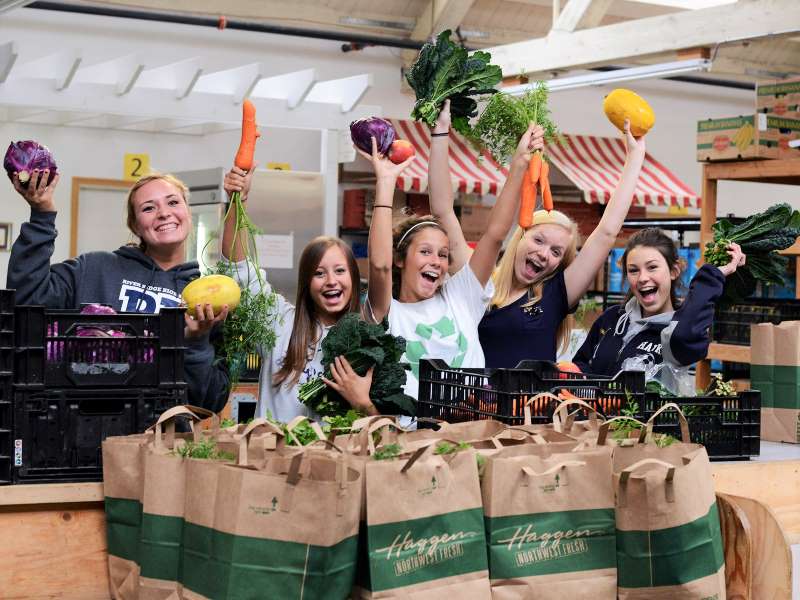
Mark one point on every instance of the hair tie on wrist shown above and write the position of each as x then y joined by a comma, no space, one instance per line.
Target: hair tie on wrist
440,134
381,206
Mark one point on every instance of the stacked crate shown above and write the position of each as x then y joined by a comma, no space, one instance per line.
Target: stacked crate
78,379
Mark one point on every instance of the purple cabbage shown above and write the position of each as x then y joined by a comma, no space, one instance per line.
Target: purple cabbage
97,309
363,129
25,156
99,332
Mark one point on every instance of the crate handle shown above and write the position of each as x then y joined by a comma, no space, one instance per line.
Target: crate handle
685,438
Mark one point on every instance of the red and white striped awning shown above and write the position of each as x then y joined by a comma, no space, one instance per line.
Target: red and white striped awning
594,164
469,173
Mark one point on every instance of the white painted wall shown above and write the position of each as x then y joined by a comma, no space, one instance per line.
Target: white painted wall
86,152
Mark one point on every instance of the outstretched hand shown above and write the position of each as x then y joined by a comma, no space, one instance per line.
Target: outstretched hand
38,193
443,121
239,180
200,323
531,141
634,146
738,258
383,167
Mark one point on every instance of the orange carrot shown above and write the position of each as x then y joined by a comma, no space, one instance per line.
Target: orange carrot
247,146
544,181
528,202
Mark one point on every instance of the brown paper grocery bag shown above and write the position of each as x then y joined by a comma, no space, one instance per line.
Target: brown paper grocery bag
550,525
669,544
425,533
123,485
775,372
163,506
285,530
246,444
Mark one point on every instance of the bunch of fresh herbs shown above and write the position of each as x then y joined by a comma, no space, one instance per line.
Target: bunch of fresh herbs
760,237
444,69
205,449
506,118
364,345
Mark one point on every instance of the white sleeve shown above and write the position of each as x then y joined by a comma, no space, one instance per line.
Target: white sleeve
244,272
464,290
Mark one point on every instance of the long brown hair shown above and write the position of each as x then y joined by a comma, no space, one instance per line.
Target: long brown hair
305,329
402,236
503,277
653,237
130,209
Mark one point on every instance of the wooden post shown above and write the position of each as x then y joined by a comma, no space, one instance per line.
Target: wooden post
708,216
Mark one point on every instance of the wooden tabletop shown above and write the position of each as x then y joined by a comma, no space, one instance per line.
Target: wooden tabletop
50,493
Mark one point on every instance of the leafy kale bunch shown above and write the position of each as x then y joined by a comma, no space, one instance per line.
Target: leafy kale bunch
761,237
443,70
364,345
505,119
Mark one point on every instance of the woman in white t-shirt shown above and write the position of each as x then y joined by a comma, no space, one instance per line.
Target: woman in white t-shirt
436,314
327,289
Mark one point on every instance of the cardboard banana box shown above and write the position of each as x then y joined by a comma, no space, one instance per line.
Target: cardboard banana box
745,137
780,98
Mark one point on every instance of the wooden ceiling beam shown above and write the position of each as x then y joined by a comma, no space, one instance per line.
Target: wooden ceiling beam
747,19
581,14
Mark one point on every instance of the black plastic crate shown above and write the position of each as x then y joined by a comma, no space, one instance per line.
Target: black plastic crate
52,348
6,446
57,432
456,395
728,426
732,323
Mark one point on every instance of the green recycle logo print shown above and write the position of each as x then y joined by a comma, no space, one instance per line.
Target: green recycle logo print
442,329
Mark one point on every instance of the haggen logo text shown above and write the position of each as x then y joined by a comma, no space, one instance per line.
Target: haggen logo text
427,545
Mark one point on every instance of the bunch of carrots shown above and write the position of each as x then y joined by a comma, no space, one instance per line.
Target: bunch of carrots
538,174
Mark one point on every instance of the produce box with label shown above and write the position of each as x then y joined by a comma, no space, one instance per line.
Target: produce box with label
780,98
749,136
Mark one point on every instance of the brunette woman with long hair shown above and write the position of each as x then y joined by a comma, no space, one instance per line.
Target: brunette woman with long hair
327,289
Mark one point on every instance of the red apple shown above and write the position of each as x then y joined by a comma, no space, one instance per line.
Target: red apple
400,151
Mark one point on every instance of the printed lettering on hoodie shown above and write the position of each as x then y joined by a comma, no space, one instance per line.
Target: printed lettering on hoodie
650,347
136,297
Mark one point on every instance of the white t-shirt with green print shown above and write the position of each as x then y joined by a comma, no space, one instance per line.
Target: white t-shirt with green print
444,327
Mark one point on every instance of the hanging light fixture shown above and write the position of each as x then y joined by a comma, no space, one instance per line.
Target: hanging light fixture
619,75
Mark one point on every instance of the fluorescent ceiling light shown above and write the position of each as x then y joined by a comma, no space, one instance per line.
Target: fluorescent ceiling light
688,4
606,77
7,5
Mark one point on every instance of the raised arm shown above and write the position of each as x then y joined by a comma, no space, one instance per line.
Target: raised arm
505,210
379,248
580,274
441,190
236,180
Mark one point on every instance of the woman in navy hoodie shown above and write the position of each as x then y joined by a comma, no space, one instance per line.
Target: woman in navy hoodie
134,278
651,324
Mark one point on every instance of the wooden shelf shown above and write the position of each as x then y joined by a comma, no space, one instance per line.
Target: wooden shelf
729,352
50,493
760,171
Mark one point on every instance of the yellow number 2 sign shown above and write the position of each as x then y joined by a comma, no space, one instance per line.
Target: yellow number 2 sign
136,166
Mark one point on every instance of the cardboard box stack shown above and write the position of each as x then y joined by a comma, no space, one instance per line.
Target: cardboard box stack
765,134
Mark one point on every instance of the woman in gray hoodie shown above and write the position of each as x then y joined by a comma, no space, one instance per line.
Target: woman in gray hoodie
143,278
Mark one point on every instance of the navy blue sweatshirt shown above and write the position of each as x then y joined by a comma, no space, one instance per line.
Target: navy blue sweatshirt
680,337
126,279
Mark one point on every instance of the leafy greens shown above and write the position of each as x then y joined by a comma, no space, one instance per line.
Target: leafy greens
443,70
760,237
364,345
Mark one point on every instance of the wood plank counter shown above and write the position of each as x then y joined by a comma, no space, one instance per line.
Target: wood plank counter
53,542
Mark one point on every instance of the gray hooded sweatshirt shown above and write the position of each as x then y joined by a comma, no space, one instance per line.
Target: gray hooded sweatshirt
126,279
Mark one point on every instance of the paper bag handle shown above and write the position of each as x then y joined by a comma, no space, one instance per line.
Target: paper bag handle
526,408
417,454
167,422
244,437
291,425
293,477
685,437
625,475
559,421
374,427
536,437
602,433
